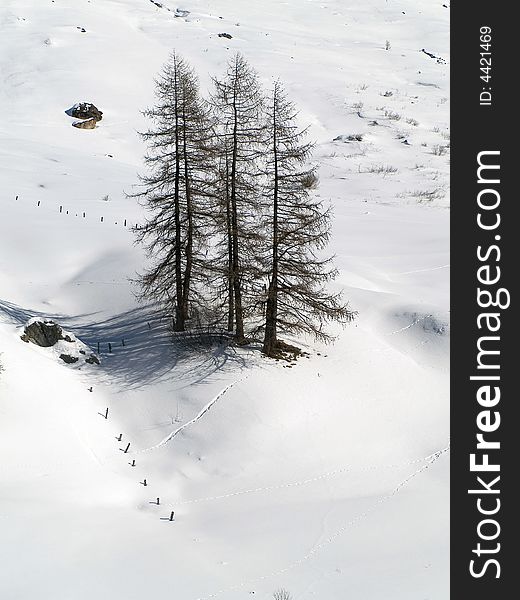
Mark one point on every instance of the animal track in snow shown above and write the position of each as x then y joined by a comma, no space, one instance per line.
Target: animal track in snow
203,411
333,537
306,481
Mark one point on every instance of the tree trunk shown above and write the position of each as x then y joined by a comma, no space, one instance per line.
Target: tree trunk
179,321
271,312
231,293
189,234
239,317
237,291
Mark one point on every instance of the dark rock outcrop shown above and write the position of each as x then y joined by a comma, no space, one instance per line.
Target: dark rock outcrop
85,110
67,358
353,137
47,333
88,124
43,333
439,59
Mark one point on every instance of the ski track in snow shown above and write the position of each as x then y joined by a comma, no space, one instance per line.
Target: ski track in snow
203,411
333,537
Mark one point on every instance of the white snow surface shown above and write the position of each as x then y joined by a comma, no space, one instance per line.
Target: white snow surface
329,478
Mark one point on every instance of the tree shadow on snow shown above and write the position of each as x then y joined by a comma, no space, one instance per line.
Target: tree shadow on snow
137,347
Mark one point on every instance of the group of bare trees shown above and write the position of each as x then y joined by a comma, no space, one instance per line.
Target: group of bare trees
234,232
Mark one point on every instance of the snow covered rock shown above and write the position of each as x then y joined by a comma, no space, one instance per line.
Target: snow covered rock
85,110
48,334
353,137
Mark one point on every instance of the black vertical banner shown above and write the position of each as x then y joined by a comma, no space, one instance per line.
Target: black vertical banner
485,249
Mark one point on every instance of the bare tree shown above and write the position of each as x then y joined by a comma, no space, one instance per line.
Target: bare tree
235,234
297,229
237,102
176,191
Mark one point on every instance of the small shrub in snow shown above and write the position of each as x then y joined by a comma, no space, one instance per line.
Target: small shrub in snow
413,122
382,169
282,594
393,116
310,180
427,195
439,150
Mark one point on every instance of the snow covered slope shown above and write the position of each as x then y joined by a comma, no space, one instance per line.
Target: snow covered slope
328,477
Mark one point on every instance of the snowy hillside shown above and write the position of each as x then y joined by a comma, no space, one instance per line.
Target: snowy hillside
327,477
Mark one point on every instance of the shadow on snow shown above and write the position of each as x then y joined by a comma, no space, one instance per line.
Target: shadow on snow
150,351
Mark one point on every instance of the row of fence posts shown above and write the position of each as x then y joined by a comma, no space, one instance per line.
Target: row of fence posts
112,345
105,413
102,219
84,214
144,483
